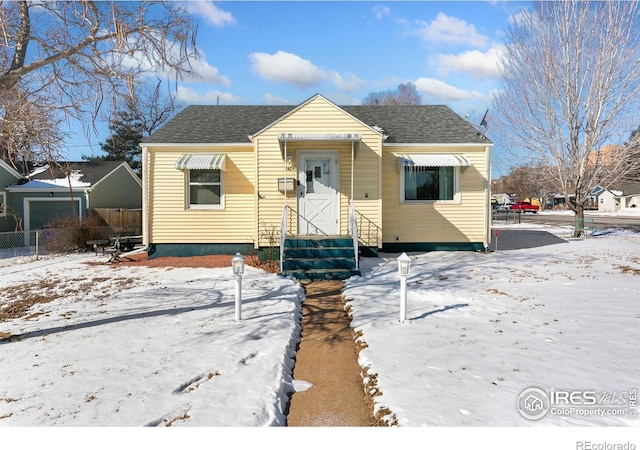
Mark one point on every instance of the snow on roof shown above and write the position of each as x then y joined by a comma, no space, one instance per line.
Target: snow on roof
39,170
73,181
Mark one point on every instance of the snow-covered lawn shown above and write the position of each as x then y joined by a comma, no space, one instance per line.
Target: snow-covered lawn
124,346
483,328
136,346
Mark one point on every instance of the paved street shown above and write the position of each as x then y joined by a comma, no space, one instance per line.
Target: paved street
613,221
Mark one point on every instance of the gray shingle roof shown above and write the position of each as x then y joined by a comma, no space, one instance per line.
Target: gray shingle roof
92,171
416,124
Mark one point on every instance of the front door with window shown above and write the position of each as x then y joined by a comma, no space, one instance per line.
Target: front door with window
318,193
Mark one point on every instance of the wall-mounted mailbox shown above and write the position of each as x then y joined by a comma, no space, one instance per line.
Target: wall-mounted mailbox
286,184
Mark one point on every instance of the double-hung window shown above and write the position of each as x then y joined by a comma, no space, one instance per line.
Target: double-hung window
205,188
204,180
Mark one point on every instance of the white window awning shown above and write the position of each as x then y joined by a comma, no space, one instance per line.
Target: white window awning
354,138
207,161
286,137
432,160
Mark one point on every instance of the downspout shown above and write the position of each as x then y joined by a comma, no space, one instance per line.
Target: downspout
86,200
352,161
283,223
487,198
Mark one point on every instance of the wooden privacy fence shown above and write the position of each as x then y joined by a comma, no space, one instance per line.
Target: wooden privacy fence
125,222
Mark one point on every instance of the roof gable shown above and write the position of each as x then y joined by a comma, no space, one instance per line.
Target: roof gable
10,170
316,98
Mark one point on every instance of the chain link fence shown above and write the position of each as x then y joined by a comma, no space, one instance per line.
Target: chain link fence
21,243
506,216
51,240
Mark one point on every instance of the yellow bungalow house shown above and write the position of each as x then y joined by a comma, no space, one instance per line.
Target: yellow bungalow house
316,177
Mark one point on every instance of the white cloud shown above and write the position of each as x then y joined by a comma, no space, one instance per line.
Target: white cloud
206,73
284,67
343,99
478,64
211,13
348,83
289,68
192,97
451,29
380,11
517,18
440,90
195,70
271,99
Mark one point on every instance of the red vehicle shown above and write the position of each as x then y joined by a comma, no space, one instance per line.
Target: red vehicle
525,207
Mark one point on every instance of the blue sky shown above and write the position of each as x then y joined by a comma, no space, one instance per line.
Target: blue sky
265,52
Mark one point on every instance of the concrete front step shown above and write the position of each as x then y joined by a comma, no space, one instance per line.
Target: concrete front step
321,274
318,242
319,263
318,253
319,258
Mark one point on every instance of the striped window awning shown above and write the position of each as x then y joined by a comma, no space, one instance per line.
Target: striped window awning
354,138
207,161
432,160
286,137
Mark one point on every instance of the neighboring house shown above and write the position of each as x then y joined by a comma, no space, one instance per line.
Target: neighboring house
630,197
604,200
49,193
221,179
501,199
8,176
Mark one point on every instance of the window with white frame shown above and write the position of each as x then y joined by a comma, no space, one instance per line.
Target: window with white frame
205,189
3,204
427,184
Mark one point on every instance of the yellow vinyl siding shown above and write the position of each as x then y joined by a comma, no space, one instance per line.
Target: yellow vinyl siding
462,221
172,222
319,116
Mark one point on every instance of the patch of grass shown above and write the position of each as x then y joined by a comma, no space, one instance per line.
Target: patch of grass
628,269
21,298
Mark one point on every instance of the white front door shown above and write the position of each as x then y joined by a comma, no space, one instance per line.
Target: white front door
318,193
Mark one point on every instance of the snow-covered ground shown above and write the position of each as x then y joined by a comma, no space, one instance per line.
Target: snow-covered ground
123,346
484,327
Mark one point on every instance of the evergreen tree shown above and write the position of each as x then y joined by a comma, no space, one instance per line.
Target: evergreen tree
127,131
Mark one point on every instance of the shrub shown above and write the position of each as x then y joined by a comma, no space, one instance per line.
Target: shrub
70,234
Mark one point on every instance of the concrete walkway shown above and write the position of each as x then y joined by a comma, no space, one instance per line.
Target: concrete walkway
327,361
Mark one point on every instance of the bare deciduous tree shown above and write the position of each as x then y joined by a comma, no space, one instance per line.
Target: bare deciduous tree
81,55
570,86
29,128
404,94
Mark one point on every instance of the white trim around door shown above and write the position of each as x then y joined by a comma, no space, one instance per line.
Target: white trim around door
318,193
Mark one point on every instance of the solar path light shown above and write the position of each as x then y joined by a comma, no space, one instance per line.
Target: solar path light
404,264
237,264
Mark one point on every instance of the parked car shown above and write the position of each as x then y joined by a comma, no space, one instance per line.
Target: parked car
525,207
501,207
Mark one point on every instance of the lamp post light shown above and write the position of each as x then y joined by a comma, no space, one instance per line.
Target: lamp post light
237,264
404,264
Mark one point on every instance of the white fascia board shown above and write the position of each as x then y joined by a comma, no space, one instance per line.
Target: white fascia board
51,189
483,146
202,145
13,172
